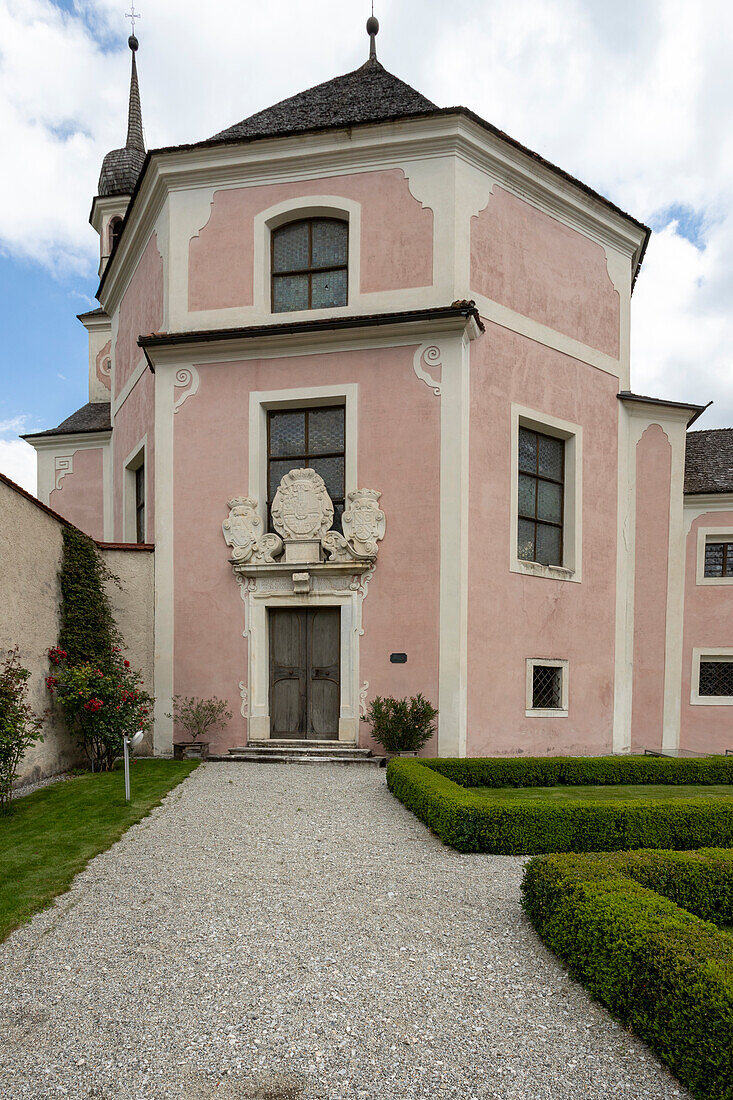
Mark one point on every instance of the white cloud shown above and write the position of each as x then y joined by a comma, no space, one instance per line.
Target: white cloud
18,462
632,98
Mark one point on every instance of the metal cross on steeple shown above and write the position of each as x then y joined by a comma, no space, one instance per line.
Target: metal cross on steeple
132,15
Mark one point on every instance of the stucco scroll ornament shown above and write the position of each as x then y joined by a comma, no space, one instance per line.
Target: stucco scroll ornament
428,355
302,508
63,465
185,376
243,532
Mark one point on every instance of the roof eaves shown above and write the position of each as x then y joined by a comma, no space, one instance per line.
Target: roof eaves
210,143
642,399
466,309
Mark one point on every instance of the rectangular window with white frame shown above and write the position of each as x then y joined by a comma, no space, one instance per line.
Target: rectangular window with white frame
546,494
714,555
546,688
134,495
712,677
314,427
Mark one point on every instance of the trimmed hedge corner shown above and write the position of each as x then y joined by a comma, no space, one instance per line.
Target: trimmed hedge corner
616,921
582,771
438,792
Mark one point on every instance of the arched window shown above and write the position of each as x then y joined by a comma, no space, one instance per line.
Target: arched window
115,228
309,265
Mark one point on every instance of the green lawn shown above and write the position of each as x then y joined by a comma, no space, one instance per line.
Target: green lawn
649,791
50,835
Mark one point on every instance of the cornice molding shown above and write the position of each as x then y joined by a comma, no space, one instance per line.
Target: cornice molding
226,346
78,440
344,152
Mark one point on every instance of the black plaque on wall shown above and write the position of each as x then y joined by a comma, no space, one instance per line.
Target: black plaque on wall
398,658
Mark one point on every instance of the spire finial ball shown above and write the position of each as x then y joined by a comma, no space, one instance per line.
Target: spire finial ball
372,25
133,43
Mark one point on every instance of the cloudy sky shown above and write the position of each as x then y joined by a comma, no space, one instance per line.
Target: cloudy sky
634,97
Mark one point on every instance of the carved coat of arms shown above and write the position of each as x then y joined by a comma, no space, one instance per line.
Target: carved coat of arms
302,508
243,532
363,521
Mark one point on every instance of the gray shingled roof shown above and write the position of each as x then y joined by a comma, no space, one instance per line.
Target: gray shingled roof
92,417
709,461
367,94
122,167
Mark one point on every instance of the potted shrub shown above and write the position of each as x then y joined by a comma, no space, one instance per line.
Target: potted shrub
401,726
198,717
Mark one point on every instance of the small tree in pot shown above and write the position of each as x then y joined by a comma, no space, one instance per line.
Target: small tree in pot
198,717
401,725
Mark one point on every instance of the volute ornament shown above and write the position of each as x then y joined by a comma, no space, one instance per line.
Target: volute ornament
302,508
243,532
363,522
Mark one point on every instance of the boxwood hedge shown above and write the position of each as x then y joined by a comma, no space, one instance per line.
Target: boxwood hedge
438,792
635,929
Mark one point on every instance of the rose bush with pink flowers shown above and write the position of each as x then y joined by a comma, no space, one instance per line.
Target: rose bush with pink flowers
102,705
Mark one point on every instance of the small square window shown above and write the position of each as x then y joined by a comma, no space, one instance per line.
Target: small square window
716,678
547,688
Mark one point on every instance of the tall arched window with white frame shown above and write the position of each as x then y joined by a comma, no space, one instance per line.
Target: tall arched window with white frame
309,265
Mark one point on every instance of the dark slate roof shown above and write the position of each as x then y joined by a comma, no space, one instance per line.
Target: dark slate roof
122,167
709,461
367,94
92,417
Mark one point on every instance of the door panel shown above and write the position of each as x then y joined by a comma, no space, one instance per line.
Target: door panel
323,669
287,673
305,690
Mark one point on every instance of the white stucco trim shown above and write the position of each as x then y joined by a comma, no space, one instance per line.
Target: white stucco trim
572,566
625,582
134,460
454,504
704,536
261,401
548,337
258,604
164,561
703,504
675,426
50,448
129,386
546,712
304,206
709,653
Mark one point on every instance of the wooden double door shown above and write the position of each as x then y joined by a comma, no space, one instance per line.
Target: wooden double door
305,667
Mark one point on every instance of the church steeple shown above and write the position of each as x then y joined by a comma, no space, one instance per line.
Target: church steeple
135,138
121,168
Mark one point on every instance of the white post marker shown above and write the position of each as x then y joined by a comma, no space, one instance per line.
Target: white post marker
130,743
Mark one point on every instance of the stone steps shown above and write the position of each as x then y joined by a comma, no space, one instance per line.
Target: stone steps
302,752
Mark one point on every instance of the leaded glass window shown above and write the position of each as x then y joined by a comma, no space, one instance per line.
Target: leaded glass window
716,678
547,687
719,559
315,438
309,265
541,489
140,503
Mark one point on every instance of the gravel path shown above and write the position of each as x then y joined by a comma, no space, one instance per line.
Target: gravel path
293,933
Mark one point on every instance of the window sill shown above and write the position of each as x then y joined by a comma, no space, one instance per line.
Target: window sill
545,713
549,572
712,701
714,580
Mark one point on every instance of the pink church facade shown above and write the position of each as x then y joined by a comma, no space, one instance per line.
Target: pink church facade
401,300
